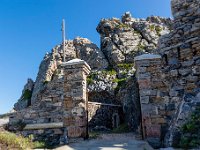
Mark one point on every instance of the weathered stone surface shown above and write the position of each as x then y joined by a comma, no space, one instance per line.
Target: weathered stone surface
25,99
175,78
123,39
61,110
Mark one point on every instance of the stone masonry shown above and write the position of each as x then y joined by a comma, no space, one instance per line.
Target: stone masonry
152,89
61,114
169,82
75,97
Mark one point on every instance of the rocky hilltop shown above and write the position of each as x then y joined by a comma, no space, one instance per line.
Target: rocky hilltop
113,74
145,75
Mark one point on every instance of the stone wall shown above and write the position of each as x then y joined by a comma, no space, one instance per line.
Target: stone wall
152,97
75,98
62,110
169,85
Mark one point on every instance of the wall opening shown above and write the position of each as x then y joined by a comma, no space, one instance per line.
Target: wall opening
115,120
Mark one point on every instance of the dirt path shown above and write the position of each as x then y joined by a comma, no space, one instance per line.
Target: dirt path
109,142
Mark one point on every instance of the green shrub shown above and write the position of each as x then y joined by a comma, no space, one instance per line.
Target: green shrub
27,95
158,30
191,131
126,66
12,141
122,25
120,83
91,78
152,27
109,72
141,47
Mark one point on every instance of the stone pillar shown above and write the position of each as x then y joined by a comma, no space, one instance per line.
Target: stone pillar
151,87
75,98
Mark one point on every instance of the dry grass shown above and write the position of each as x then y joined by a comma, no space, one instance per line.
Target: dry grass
12,141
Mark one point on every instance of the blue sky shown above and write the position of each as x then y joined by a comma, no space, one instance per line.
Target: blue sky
30,28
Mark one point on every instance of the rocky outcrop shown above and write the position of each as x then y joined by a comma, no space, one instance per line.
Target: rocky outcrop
122,40
78,48
112,79
25,99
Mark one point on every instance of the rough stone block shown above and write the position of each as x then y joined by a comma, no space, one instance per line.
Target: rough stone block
69,121
144,99
153,131
74,131
78,111
144,84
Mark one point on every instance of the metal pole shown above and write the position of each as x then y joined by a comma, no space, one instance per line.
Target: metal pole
63,36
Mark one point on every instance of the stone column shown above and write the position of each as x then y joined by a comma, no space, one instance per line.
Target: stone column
75,98
150,88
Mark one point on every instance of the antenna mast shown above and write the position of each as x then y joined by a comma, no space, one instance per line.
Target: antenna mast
63,38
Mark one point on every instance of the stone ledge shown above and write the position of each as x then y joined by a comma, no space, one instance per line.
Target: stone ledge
43,126
147,56
76,62
104,104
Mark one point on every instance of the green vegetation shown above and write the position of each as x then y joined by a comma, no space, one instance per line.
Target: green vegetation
126,66
109,72
27,94
90,78
12,141
152,27
45,82
123,128
141,47
121,82
122,25
158,30
136,32
191,131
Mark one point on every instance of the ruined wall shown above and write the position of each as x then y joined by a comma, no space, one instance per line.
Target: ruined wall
61,113
179,74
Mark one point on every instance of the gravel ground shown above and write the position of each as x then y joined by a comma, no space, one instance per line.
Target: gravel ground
109,142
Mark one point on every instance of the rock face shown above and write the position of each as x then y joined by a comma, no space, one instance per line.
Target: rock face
112,79
25,99
78,48
122,40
